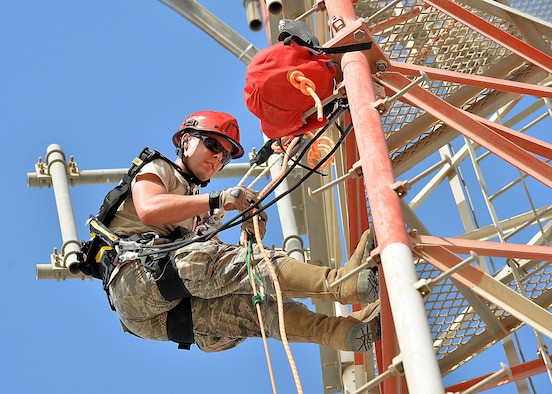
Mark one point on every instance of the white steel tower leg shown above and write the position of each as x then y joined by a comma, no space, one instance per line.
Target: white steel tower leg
57,168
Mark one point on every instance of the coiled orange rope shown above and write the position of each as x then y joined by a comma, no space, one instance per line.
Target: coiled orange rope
317,151
307,87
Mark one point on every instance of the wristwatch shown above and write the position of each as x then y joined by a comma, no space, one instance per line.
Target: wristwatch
214,200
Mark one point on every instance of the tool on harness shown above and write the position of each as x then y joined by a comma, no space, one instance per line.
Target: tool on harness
91,258
211,223
98,255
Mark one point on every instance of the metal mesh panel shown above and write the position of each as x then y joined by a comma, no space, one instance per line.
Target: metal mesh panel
412,32
537,8
454,322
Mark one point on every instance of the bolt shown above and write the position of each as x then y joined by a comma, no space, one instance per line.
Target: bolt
381,65
337,23
359,35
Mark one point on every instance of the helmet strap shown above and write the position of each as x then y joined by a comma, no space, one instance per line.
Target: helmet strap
190,177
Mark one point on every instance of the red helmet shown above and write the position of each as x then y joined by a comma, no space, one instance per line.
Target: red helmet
211,122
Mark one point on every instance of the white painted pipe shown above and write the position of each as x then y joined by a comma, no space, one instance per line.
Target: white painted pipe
410,321
57,168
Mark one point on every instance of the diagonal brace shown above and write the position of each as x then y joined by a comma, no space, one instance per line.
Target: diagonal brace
481,81
488,288
487,248
470,127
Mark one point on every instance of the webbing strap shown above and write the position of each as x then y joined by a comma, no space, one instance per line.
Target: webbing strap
180,328
168,281
361,46
117,195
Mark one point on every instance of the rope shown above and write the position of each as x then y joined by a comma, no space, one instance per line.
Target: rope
319,150
308,88
258,299
274,277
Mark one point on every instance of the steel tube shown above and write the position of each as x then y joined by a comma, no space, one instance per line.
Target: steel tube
89,177
421,368
57,168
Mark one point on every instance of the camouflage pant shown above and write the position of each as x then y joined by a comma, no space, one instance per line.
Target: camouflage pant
222,309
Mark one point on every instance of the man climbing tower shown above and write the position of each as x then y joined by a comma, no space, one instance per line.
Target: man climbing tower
201,293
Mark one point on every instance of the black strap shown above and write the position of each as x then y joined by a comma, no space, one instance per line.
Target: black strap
180,327
168,281
362,46
117,195
346,48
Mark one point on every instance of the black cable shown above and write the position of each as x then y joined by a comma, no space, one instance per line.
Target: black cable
165,248
333,119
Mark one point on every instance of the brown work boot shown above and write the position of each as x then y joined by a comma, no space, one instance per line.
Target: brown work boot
337,332
366,286
302,280
369,330
368,313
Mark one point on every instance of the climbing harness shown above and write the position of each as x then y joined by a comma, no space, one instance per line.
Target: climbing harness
100,256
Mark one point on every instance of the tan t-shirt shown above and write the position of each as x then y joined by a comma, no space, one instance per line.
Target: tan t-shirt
126,221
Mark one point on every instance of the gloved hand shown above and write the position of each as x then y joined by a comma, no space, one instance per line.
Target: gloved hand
238,197
249,228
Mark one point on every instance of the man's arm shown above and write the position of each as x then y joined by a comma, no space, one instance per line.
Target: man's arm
156,207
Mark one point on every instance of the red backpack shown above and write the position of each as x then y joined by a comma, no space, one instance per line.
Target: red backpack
274,100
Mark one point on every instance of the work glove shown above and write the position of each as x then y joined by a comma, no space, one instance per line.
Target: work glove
238,197
249,227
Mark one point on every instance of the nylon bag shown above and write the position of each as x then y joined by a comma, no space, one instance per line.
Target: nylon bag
270,96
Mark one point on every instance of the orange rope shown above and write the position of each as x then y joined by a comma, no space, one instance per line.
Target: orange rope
319,149
307,87
263,334
273,275
284,142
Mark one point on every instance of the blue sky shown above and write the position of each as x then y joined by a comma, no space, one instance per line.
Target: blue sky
103,79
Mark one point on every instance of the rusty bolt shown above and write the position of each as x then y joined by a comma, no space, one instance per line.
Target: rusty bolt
359,35
381,65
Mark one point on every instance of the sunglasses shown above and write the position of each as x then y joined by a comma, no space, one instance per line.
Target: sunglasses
214,146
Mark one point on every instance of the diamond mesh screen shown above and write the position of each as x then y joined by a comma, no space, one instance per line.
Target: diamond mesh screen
412,32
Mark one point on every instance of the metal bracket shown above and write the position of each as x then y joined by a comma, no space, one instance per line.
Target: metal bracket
400,188
43,170
395,369
354,172
381,105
